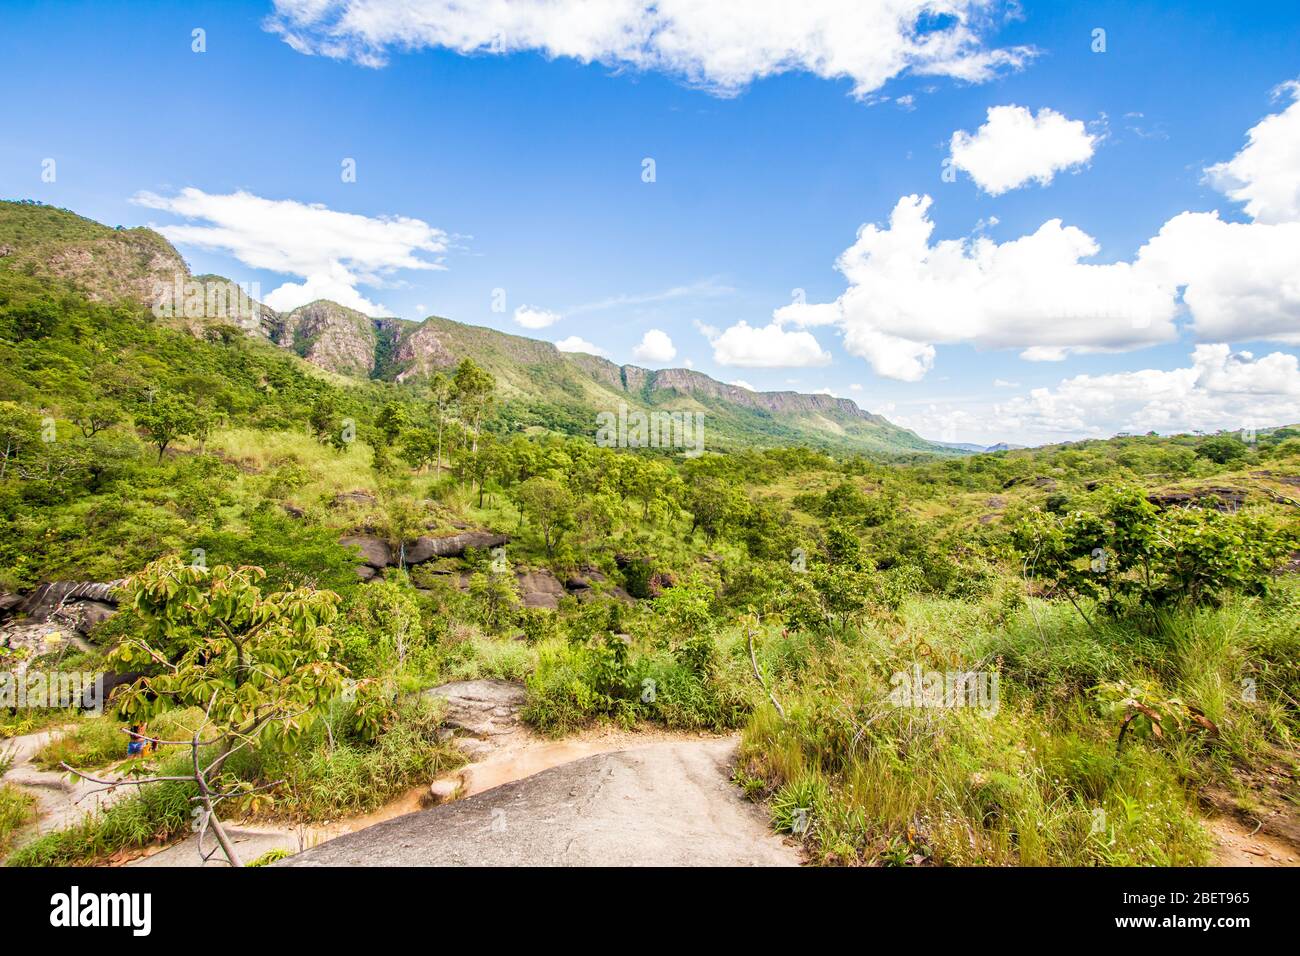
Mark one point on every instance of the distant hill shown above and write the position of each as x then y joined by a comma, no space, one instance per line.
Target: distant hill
962,446
979,449
538,385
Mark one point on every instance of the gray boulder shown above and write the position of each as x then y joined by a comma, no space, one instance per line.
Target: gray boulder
78,605
481,708
374,551
425,547
539,588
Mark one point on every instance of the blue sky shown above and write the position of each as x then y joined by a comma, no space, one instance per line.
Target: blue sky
519,175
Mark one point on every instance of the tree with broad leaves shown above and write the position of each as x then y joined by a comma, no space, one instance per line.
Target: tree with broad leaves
259,666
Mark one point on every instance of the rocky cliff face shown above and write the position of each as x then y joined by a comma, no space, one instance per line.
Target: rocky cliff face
638,382
687,382
105,264
419,351
330,336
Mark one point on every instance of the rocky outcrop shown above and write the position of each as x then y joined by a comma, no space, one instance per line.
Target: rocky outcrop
330,336
481,708
668,804
1041,481
1220,499
539,588
377,554
481,716
78,605
642,383
419,351
424,548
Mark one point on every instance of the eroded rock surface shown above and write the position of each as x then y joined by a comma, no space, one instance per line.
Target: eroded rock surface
665,804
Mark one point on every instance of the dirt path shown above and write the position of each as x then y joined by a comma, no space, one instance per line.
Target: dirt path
1239,846
670,803
61,800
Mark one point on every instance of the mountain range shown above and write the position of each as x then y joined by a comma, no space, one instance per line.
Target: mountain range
537,384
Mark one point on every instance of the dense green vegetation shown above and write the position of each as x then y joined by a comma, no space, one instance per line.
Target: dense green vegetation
1130,585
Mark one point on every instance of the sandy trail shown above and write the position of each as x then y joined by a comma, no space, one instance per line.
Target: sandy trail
1238,845
61,799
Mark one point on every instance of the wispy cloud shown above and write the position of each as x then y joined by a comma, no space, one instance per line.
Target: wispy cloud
721,46
701,289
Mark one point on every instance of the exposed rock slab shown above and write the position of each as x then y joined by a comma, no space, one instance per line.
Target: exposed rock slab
666,804
78,606
1220,499
425,547
378,554
375,552
483,708
539,588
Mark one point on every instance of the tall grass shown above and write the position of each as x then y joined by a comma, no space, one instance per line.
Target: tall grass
318,781
1041,781
17,809
327,471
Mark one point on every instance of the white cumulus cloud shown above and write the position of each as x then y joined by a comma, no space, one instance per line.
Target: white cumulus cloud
1240,281
655,347
332,251
336,288
768,346
1265,175
575,344
1235,282
1015,147
1219,390
907,294
531,318
721,45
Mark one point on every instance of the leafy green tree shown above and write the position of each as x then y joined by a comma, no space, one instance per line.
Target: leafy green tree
165,419
326,424
1126,550
94,416
495,596
34,320
19,432
392,421
420,447
401,519
549,506
259,666
206,421
653,485
712,502
480,465
109,455
1221,449
473,387
389,616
